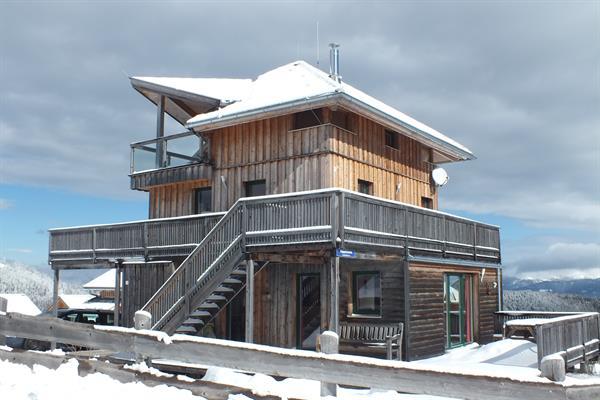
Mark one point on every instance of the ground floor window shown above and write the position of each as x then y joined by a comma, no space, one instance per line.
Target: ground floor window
366,292
458,309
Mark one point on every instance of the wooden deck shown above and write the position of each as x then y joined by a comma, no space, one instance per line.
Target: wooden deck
331,218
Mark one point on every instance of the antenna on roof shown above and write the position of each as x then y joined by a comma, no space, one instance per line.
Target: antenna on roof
317,44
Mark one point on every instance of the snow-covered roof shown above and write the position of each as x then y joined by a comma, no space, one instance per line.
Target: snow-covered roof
106,281
300,85
21,304
75,300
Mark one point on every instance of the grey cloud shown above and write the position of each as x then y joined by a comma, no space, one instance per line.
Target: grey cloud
515,82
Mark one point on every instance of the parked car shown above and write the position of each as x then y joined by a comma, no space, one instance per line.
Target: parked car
95,317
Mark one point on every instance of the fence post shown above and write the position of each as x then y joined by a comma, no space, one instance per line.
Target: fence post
553,367
328,344
3,308
142,320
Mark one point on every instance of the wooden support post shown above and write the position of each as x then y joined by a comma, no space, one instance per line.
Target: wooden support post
160,132
117,294
328,344
3,308
334,295
249,301
55,300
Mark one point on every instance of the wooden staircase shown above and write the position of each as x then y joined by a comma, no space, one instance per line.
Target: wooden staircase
224,294
204,282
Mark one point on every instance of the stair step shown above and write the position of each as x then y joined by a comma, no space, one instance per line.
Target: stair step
193,321
224,289
232,281
186,329
200,314
238,272
208,306
216,297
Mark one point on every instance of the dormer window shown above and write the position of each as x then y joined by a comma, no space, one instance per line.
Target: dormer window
392,139
344,119
308,118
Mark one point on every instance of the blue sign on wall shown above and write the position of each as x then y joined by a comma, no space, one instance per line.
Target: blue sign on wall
345,253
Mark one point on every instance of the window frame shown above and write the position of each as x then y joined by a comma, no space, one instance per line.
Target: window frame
247,184
425,201
395,139
356,311
301,116
367,184
197,194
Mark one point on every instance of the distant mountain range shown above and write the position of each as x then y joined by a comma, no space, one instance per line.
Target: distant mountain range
581,287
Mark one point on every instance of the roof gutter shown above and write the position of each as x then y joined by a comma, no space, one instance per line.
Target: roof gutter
336,98
264,112
412,131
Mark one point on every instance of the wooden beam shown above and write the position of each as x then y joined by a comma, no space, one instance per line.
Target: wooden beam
55,287
160,132
355,371
291,258
334,294
117,294
249,301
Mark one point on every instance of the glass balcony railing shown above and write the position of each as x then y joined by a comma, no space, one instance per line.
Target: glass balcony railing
169,151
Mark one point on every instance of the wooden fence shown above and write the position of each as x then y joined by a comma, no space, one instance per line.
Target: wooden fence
576,336
334,368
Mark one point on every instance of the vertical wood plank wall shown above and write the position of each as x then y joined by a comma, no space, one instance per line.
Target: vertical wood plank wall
275,303
140,282
295,160
173,200
426,325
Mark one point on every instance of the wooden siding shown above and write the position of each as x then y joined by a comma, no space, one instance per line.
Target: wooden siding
303,159
426,328
275,303
173,200
140,282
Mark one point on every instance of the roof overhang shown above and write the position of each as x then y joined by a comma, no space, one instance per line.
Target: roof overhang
179,104
443,151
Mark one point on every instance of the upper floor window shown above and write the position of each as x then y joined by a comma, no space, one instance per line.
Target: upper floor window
344,119
427,202
255,188
426,155
392,139
366,292
365,187
203,200
308,118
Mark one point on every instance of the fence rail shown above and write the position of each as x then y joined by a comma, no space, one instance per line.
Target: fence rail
348,370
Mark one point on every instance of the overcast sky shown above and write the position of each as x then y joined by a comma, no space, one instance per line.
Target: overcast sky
516,82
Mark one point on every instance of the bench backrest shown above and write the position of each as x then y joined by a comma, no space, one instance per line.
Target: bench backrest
369,331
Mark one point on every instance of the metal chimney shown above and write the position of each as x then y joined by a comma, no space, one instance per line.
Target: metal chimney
334,62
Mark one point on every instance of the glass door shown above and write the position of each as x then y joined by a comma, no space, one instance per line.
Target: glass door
458,308
308,321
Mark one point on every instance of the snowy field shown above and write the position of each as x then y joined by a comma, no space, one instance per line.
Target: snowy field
514,358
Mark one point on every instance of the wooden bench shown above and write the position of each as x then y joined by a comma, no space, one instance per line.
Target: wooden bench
374,335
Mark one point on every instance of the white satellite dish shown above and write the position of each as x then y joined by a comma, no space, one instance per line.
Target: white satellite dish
440,176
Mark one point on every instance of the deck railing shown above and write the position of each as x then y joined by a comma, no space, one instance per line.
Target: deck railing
294,219
148,238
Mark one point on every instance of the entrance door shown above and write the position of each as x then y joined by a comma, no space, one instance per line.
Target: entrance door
308,321
458,307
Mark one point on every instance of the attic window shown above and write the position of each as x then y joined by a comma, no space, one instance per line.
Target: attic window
344,119
306,119
392,139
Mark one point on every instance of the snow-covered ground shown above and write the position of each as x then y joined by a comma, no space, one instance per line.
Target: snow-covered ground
507,358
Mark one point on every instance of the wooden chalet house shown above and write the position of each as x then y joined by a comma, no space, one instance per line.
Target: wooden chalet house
292,204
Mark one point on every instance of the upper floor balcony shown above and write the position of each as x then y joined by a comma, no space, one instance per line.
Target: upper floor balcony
169,159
